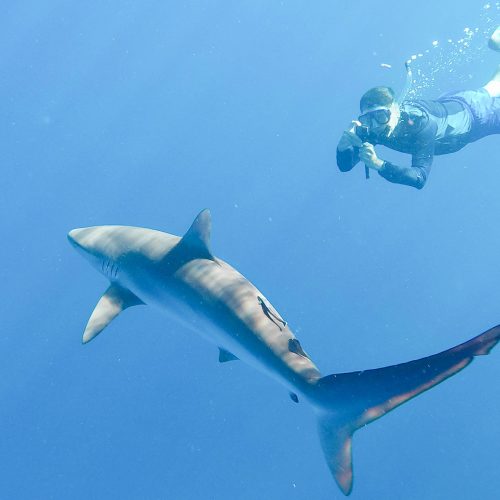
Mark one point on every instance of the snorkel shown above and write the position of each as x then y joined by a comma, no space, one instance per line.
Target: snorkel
363,131
406,89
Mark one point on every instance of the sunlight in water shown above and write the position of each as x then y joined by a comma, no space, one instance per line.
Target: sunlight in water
450,63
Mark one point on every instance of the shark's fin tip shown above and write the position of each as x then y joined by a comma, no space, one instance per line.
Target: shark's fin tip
114,300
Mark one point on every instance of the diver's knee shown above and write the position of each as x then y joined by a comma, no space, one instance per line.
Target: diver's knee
493,88
494,41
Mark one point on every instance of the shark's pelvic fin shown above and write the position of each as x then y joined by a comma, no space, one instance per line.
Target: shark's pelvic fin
114,300
196,242
225,356
368,395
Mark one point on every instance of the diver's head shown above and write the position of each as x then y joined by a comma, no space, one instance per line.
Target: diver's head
380,111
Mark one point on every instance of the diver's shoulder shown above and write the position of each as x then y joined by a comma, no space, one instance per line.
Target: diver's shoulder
414,117
417,108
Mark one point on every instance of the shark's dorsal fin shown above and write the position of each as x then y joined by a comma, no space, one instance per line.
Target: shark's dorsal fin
114,300
225,356
196,242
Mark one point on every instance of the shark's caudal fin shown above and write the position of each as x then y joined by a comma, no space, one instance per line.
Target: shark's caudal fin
349,401
114,300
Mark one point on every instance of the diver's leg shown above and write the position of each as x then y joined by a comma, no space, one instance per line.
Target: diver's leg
494,41
493,86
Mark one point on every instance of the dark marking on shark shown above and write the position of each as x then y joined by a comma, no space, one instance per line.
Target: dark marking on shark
273,317
295,347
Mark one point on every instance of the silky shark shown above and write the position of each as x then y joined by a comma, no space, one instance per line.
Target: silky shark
183,277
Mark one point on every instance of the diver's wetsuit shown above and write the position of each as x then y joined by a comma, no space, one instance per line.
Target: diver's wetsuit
427,128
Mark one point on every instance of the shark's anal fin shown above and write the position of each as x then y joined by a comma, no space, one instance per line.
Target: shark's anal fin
225,356
114,300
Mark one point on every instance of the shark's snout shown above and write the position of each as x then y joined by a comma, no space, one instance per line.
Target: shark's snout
74,237
83,239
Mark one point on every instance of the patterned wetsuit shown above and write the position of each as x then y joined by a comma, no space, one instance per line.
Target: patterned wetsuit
427,128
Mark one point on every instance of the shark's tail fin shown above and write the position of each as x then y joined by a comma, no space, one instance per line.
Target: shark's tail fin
347,401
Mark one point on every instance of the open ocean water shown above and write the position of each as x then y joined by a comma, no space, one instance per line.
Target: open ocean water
145,112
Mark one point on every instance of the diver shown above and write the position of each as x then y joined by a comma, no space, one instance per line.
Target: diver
422,128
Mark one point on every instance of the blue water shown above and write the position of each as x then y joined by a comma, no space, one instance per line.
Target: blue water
143,113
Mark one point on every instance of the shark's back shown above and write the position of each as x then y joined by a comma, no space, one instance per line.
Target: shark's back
116,241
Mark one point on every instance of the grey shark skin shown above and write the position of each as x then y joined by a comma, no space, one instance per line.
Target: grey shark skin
182,277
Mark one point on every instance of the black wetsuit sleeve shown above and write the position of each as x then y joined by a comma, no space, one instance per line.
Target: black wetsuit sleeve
416,175
347,159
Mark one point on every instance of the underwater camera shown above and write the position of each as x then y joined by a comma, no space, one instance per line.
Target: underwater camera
362,132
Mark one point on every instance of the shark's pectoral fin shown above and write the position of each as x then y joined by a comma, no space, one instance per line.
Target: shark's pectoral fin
114,300
225,356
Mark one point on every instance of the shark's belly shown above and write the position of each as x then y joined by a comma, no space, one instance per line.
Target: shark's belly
214,300
227,309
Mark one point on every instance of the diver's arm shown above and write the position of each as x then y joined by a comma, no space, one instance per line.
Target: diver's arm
416,175
347,158
348,148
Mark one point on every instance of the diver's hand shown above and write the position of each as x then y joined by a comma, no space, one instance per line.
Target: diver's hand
349,138
369,157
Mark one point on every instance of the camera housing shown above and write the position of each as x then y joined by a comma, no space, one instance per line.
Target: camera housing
362,132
